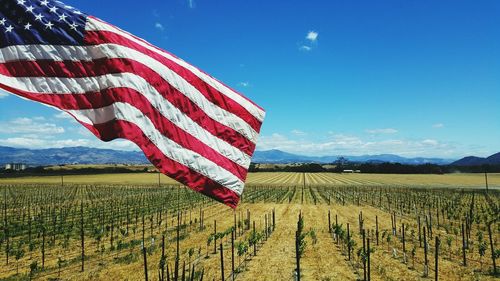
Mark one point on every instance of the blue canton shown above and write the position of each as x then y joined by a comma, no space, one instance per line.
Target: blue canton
46,22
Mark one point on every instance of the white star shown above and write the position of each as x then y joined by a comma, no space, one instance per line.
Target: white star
44,2
9,28
2,21
27,26
39,17
49,25
21,2
30,9
62,17
73,26
53,9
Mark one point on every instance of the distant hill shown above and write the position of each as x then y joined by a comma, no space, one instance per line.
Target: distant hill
86,155
478,161
69,155
278,156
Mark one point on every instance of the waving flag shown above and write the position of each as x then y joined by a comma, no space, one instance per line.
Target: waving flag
189,125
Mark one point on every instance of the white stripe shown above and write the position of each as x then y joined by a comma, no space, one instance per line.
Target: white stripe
111,51
96,25
172,150
56,85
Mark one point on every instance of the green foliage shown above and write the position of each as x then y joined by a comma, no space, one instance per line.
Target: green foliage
313,235
482,248
210,239
449,240
242,248
413,251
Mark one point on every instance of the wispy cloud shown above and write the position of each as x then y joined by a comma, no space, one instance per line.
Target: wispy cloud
298,133
29,126
305,48
34,142
438,126
244,84
382,131
191,4
312,36
159,26
311,41
343,144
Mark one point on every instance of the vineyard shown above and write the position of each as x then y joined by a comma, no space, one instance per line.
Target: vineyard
288,225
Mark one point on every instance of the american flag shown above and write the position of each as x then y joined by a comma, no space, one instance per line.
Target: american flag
190,126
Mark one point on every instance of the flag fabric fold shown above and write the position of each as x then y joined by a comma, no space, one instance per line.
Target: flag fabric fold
189,125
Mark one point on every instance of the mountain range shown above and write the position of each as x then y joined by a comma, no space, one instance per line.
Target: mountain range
69,155
478,161
87,155
277,156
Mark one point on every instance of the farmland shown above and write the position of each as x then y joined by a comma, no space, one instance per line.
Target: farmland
120,226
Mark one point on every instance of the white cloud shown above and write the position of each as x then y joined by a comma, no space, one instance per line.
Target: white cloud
438,126
311,41
244,84
342,144
191,4
159,26
382,131
35,143
312,36
29,126
305,48
298,133
429,142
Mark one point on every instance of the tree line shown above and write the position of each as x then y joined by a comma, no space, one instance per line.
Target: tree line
376,168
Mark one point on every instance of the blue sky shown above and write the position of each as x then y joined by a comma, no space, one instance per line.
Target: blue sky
414,78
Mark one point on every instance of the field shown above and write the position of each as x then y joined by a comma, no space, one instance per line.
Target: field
122,224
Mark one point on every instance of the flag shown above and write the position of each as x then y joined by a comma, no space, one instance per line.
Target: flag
189,125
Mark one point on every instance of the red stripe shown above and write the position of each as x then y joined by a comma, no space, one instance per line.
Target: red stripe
196,181
161,50
163,125
224,102
104,66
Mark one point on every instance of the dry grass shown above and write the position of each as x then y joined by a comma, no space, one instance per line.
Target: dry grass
276,257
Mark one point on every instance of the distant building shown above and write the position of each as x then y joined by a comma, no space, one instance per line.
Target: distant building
15,167
351,171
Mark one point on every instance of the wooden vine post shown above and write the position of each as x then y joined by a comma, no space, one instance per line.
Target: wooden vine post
436,258
464,246
233,234
364,254
82,236
492,251
368,258
426,261
404,243
144,254
221,261
348,243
